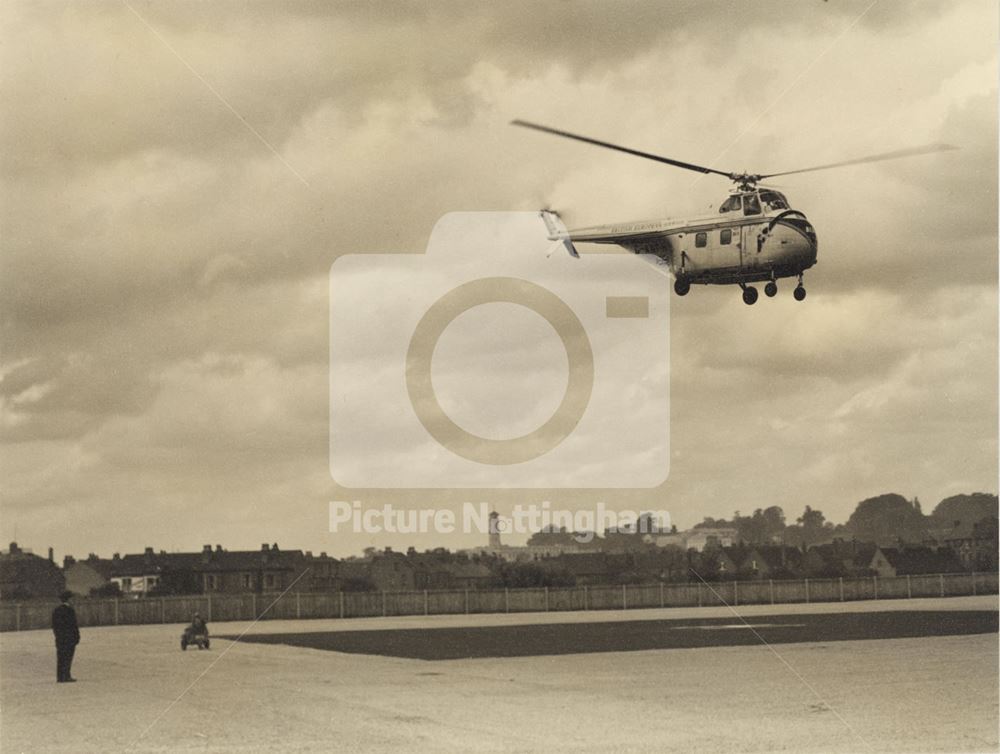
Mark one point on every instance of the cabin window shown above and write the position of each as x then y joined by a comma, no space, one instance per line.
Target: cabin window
773,200
700,239
732,204
726,236
752,205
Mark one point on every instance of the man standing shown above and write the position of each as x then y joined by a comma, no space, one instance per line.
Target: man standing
67,637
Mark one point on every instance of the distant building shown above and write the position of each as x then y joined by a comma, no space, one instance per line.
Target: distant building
24,575
975,544
517,553
86,576
774,561
700,538
211,570
839,558
912,561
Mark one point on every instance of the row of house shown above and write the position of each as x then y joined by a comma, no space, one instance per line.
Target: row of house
837,559
24,575
832,560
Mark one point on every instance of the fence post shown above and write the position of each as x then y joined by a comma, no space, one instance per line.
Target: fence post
467,602
770,588
253,605
426,603
662,603
116,611
875,583
209,610
909,588
841,580
506,600
973,583
162,610
699,593
807,591
586,602
941,579
383,603
736,594
298,605
546,599
17,617
341,593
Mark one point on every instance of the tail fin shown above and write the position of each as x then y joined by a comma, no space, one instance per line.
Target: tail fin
557,231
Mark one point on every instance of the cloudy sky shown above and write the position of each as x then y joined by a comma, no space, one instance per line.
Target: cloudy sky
179,177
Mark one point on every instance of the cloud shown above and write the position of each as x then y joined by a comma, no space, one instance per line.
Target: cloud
163,295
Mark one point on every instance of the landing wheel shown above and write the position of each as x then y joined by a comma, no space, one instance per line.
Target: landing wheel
799,293
771,289
749,295
681,287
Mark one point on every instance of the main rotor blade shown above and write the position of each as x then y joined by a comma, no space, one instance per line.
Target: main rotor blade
911,152
617,148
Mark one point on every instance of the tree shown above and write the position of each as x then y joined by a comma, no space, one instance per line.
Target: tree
965,509
887,519
762,527
813,527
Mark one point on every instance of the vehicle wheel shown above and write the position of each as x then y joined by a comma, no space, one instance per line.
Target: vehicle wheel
184,645
771,289
799,293
749,295
681,287
206,644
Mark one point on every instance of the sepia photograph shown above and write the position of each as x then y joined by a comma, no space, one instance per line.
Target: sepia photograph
453,376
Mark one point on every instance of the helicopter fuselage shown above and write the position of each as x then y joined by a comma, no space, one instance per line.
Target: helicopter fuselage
754,237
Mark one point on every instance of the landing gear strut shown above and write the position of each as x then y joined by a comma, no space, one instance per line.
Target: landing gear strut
681,287
800,290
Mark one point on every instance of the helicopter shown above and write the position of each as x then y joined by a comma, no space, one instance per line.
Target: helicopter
755,237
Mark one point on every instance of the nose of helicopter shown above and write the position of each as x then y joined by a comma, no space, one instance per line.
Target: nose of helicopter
796,240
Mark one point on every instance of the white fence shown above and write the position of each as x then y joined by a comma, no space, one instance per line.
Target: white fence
36,614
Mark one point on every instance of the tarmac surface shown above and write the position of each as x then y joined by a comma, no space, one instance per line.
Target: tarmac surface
636,635
138,692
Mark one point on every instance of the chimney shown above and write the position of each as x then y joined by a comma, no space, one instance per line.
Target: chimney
148,552
68,560
274,547
206,553
218,548
52,555
264,547
116,557
14,549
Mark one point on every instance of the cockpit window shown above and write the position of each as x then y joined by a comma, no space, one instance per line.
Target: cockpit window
752,205
732,204
773,200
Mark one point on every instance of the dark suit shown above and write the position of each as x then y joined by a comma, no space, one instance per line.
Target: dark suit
67,637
